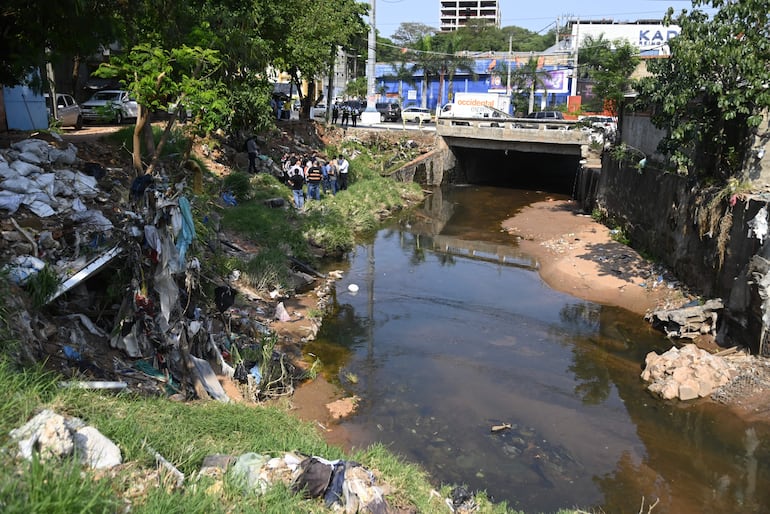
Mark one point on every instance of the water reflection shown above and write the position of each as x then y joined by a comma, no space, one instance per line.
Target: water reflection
452,332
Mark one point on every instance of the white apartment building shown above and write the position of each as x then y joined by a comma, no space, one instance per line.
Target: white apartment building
456,13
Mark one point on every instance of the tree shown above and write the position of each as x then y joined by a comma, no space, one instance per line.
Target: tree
402,72
449,62
528,77
313,27
609,65
710,95
356,87
155,76
34,32
410,35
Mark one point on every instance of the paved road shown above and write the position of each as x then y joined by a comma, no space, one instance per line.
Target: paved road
393,125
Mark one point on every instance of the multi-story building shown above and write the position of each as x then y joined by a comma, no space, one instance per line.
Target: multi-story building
457,13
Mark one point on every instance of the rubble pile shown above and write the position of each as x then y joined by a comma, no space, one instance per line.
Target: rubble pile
686,373
688,322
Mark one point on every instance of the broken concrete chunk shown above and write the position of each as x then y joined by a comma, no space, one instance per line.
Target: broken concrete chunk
685,373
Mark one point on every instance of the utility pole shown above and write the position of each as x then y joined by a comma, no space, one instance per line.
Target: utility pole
576,44
510,48
558,25
370,115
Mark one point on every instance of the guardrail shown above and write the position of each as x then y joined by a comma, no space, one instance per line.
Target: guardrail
510,123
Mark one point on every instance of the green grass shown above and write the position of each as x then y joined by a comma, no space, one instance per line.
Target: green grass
184,434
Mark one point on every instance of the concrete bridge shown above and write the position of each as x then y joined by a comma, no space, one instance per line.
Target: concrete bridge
556,137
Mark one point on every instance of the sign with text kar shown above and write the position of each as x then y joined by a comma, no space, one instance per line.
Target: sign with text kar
651,39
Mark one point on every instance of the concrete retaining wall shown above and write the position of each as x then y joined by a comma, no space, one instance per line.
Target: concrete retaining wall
702,236
430,169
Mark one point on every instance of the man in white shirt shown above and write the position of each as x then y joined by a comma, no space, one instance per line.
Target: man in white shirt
342,169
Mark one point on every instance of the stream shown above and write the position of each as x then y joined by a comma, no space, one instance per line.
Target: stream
452,333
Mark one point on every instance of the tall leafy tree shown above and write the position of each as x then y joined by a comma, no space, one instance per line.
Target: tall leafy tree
410,34
449,62
33,32
609,65
528,77
710,95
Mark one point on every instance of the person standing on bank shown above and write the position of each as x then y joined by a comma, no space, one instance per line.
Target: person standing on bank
354,116
331,172
335,113
296,182
345,115
342,170
314,178
253,150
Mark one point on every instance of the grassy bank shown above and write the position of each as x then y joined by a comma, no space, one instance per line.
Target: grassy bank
184,434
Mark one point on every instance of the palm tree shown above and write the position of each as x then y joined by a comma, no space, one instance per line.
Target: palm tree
449,63
425,60
529,76
402,72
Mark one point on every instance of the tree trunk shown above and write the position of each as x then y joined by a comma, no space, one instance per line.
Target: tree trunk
330,84
425,91
440,99
136,155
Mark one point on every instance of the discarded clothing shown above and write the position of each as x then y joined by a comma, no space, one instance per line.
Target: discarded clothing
315,477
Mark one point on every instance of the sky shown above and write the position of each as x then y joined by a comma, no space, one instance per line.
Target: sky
533,15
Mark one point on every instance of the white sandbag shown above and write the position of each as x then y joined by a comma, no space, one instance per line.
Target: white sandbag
25,168
67,156
45,182
18,184
93,219
65,174
10,201
40,209
6,171
78,205
36,146
32,158
40,196
22,267
85,185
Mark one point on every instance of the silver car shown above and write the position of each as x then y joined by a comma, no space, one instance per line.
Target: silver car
68,112
416,114
110,105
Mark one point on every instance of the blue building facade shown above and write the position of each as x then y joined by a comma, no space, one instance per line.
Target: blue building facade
490,76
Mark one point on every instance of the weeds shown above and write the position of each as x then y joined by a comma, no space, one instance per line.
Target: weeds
42,285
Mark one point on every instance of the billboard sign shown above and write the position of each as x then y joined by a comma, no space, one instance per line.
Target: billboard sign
647,37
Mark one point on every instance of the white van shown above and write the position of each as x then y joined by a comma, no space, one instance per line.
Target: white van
454,110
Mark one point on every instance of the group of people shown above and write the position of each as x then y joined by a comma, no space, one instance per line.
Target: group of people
317,173
348,113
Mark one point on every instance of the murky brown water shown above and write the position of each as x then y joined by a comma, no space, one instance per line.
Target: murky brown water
453,332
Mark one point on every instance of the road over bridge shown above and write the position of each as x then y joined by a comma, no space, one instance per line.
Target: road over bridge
562,137
520,153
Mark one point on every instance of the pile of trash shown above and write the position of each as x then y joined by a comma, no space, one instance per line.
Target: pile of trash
132,307
343,485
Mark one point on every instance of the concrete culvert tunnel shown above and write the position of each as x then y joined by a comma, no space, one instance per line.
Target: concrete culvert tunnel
521,170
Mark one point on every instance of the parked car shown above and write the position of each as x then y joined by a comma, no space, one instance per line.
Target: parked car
68,113
416,114
389,111
605,123
110,105
546,115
